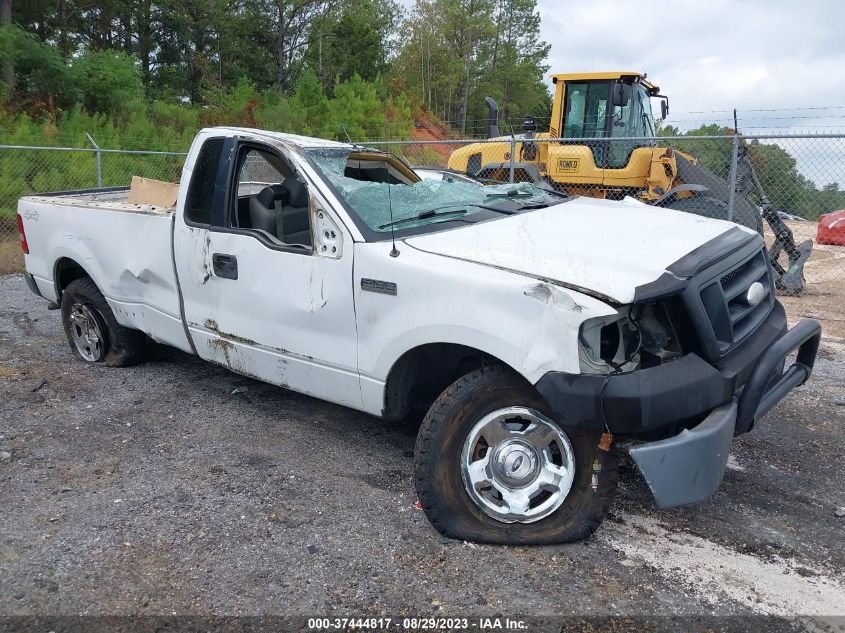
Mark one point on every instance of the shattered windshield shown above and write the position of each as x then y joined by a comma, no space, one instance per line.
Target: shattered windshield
387,195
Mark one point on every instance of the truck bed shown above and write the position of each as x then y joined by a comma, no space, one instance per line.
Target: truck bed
125,248
109,199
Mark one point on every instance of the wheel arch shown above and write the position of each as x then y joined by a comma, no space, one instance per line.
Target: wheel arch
423,372
66,270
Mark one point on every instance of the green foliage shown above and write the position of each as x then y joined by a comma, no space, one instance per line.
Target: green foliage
313,107
456,52
106,80
358,107
43,81
353,40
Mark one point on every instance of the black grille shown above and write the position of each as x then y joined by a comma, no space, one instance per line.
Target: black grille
732,316
736,271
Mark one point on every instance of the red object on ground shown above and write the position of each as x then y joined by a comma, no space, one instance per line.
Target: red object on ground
832,228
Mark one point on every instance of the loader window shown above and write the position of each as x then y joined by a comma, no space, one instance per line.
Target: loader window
635,118
631,121
585,109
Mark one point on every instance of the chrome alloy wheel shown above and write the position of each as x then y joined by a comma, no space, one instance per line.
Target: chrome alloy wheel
517,465
86,330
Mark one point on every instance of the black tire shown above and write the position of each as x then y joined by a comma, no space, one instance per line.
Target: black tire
121,346
440,486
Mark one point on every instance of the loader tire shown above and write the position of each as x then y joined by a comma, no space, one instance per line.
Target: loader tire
447,465
92,331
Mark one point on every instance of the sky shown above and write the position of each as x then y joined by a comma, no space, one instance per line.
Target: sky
715,55
780,63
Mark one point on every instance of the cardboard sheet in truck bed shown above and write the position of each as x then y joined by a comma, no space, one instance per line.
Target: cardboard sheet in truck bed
153,192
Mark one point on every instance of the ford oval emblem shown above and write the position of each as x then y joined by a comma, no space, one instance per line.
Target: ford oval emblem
517,463
755,294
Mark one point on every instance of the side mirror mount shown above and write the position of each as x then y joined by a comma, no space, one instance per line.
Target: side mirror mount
621,94
326,235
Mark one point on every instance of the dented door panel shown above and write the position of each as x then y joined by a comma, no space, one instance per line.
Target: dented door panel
287,319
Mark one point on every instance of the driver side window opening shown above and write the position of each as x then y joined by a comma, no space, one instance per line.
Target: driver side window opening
270,200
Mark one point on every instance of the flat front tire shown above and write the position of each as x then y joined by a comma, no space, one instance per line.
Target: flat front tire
493,466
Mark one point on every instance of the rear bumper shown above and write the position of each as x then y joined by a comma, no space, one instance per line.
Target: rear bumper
687,466
30,282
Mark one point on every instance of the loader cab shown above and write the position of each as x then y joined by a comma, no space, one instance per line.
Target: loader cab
601,110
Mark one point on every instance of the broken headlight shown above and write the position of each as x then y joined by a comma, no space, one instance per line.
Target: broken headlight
637,336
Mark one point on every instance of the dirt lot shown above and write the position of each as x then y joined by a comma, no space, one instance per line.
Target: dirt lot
178,487
824,298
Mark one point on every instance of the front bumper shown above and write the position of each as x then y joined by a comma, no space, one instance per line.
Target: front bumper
689,467
660,401
668,402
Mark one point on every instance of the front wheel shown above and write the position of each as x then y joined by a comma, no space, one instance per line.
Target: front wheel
493,466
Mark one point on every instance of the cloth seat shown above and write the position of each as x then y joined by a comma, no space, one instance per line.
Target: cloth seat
265,206
292,222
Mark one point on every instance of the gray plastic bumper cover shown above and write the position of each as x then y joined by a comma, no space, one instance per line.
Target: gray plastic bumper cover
688,467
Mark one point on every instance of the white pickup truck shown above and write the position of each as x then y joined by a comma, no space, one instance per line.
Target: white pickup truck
537,331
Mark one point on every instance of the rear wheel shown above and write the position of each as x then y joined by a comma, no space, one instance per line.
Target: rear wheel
94,334
493,466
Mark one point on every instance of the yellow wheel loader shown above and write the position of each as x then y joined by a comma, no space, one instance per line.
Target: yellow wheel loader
604,146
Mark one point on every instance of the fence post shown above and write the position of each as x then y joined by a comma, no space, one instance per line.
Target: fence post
513,151
99,162
732,176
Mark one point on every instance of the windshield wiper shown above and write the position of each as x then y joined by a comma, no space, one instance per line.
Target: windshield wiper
513,193
438,211
424,215
547,188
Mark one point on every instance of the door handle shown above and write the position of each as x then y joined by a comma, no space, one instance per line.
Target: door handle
225,266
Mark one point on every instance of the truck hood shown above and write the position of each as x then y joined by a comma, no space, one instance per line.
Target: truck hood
605,248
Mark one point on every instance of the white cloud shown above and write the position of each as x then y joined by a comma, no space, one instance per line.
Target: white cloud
713,56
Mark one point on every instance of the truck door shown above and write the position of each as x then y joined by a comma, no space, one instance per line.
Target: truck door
265,279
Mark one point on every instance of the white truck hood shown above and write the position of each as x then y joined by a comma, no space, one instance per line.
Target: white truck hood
598,246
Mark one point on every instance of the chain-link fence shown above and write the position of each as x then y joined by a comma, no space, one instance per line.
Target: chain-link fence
788,187
27,170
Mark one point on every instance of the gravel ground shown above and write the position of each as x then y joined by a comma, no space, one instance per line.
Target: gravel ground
177,487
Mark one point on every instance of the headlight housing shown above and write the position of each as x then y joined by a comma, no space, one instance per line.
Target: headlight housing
609,344
637,336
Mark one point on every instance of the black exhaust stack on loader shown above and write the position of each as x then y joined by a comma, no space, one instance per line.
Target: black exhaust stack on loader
492,116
